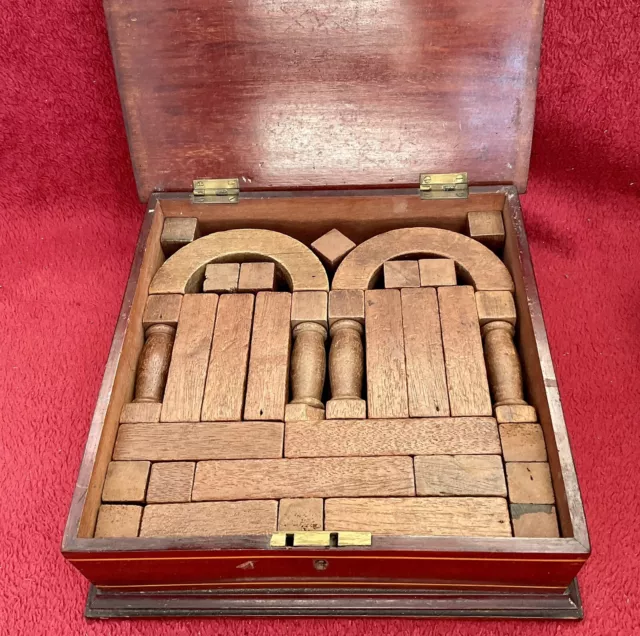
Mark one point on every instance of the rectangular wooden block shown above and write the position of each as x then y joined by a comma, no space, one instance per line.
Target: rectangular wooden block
399,274
346,409
285,478
487,227
126,482
463,354
118,521
309,306
162,309
255,277
426,378
180,442
386,370
178,232
516,413
455,475
495,305
227,374
437,272
455,516
534,521
346,303
210,518
444,436
529,483
332,247
522,443
140,412
171,482
267,383
300,514
188,371
221,278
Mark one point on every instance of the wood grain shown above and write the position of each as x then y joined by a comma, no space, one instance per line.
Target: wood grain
495,305
286,478
188,371
399,274
529,482
534,521
332,247
346,304
140,412
301,514
170,482
516,413
437,272
255,277
522,443
309,307
176,233
153,364
220,278
308,365
488,228
118,521
455,475
162,309
126,482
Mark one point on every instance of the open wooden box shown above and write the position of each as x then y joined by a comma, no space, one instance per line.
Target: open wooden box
327,114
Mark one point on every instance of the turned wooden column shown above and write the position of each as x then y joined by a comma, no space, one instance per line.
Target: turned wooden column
308,364
153,364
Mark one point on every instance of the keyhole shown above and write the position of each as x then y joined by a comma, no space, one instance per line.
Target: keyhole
320,564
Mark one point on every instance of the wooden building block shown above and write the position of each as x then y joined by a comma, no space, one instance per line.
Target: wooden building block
178,232
227,374
189,361
184,441
153,364
529,483
346,409
171,482
455,475
332,247
309,306
464,358
384,341
516,413
255,277
300,514
268,379
210,518
346,304
134,412
495,305
437,272
400,274
126,482
284,478
303,413
487,227
162,309
433,436
426,377
450,516
534,520
118,521
221,278
522,443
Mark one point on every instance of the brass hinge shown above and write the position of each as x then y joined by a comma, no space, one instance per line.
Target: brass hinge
444,186
216,191
319,539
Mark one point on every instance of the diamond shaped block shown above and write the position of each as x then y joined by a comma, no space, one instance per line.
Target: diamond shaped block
332,247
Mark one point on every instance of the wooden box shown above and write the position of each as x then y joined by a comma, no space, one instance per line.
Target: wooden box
327,114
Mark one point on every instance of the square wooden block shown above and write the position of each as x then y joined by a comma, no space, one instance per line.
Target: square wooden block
162,309
255,277
529,483
332,247
178,232
487,227
346,304
522,443
516,413
126,482
399,274
118,521
495,305
534,521
437,272
309,306
301,514
140,412
221,278
171,482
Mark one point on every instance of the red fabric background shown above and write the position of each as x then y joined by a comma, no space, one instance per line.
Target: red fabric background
69,223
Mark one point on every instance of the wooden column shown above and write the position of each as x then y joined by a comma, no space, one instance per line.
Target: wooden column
153,364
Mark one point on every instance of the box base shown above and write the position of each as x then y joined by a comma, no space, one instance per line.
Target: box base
333,602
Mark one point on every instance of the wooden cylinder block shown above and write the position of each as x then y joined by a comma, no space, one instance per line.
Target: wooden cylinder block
346,360
153,365
308,364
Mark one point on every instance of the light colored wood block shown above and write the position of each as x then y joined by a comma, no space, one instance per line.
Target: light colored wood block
529,482
522,443
426,377
190,359
302,413
346,304
255,277
284,478
464,358
521,413
118,521
185,441
171,482
209,518
227,374
163,309
399,274
433,436
135,412
534,521
450,516
437,272
221,278
309,307
384,341
487,227
268,379
126,482
178,232
332,247
455,475
300,514
495,305
346,409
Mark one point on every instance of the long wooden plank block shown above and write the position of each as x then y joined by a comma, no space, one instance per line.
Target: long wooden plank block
386,370
267,383
209,518
227,375
285,478
426,377
188,371
189,442
452,516
463,354
435,436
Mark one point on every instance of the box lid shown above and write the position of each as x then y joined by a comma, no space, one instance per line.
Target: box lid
287,94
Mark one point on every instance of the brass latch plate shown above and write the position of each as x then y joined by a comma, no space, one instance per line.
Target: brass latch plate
319,539
216,191
444,186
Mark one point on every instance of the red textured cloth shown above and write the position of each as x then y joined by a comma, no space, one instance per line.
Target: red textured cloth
69,221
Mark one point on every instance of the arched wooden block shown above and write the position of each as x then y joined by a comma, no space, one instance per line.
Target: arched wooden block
485,271
183,272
